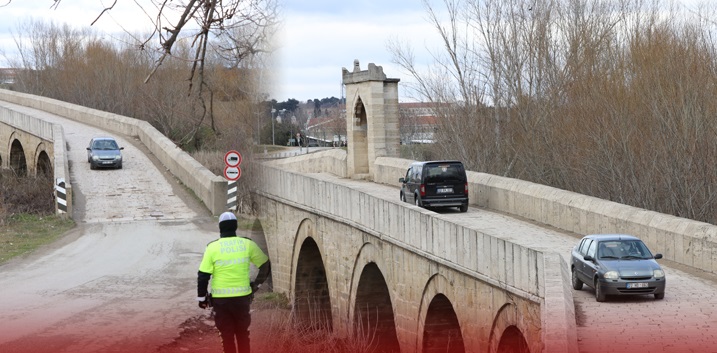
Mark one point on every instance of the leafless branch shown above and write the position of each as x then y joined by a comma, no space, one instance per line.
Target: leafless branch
103,11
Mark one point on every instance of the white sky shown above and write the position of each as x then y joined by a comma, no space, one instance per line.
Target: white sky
321,37
318,37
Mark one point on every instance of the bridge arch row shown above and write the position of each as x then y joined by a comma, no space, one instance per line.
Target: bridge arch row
349,269
26,154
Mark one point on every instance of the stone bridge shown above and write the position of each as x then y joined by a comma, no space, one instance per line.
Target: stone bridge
370,266
356,261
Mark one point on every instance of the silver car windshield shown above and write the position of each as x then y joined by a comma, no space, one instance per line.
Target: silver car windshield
105,145
623,250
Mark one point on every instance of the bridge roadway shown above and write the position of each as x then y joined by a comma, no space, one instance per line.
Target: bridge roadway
684,321
122,281
83,296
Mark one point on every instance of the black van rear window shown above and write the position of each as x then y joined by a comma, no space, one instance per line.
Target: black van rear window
444,172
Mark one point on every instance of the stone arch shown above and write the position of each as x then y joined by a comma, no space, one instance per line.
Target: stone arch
439,328
359,139
43,164
18,162
506,335
512,341
371,303
311,300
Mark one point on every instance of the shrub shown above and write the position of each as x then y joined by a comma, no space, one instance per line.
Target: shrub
25,195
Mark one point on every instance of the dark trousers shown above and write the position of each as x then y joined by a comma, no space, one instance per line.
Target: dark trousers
231,315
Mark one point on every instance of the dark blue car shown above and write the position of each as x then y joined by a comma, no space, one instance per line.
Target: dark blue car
435,184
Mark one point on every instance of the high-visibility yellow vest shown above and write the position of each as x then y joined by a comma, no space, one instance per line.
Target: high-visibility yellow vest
227,260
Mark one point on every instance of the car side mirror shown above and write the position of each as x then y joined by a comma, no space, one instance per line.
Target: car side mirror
401,180
658,256
88,148
121,148
588,258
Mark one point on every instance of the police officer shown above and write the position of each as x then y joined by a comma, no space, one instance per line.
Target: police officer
226,261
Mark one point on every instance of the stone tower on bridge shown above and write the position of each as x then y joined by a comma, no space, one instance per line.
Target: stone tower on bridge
371,118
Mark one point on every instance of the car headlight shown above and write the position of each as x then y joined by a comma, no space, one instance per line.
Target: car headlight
117,158
658,273
95,158
611,275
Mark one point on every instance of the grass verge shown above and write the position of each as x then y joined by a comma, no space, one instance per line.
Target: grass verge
23,233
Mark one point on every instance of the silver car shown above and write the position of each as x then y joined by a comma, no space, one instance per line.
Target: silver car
616,264
104,152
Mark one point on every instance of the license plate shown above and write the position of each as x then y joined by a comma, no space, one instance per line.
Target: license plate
636,285
445,191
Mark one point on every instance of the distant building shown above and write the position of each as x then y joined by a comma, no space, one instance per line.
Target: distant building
418,123
7,76
327,131
417,109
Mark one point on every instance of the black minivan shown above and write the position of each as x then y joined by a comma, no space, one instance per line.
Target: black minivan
436,184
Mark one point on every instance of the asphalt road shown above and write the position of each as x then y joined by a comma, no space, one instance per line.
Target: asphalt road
125,279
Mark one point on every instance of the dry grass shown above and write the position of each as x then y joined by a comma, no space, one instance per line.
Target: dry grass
212,160
273,329
25,195
281,333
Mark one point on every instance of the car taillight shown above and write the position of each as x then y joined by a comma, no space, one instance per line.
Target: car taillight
423,190
466,189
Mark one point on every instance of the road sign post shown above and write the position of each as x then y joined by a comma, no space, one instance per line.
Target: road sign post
232,160
232,173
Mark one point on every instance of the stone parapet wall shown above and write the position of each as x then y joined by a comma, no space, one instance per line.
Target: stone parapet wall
413,228
328,161
685,241
37,127
682,240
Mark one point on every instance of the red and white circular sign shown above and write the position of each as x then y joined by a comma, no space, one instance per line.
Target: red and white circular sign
232,173
232,158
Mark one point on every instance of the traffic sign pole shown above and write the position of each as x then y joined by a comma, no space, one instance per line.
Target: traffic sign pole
232,173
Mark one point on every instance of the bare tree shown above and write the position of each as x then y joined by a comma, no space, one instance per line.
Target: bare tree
228,31
609,98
